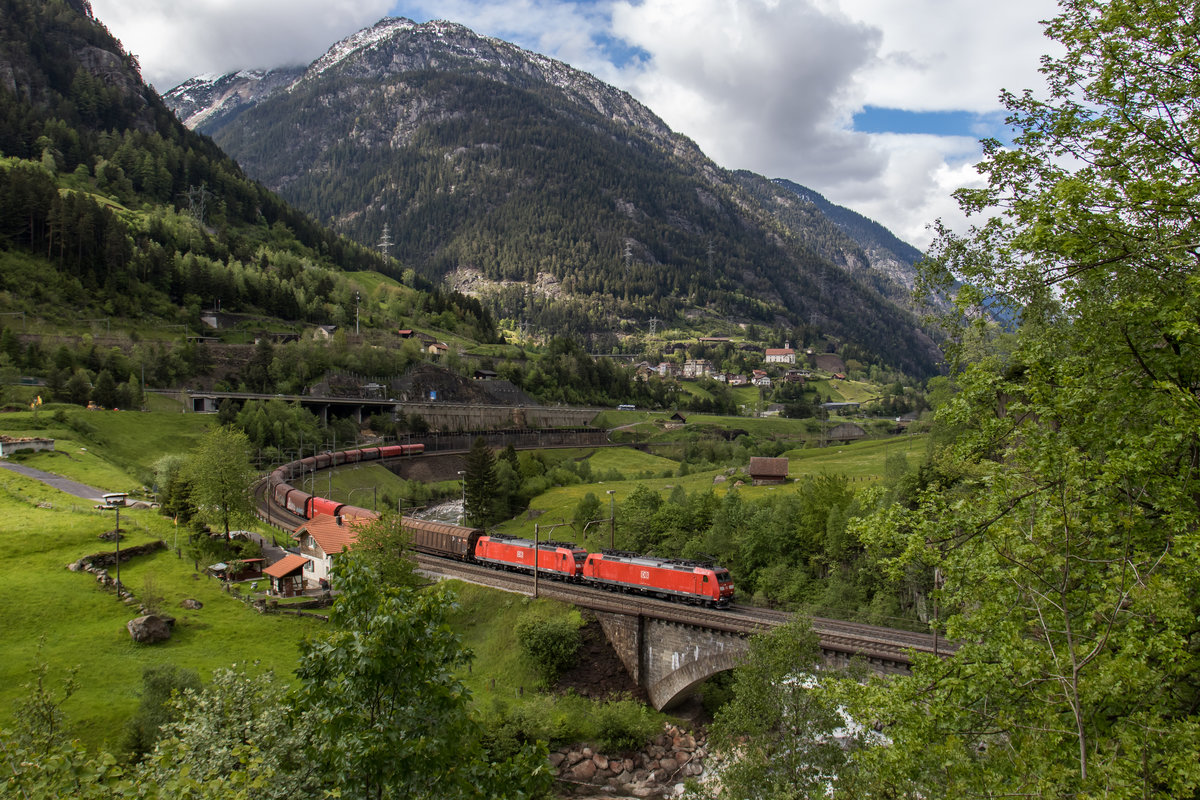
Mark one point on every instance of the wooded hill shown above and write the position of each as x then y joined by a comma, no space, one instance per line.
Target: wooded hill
110,207
498,169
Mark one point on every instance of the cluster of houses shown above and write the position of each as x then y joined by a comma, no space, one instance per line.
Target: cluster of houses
695,368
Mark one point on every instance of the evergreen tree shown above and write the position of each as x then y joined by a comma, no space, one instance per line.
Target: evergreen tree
479,484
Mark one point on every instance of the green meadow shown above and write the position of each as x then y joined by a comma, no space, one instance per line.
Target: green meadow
81,625
70,622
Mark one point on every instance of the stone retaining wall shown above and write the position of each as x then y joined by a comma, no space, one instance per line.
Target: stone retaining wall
98,563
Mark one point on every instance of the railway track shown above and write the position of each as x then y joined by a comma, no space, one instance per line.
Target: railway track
871,641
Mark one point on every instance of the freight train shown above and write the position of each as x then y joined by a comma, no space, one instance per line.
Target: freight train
692,582
307,505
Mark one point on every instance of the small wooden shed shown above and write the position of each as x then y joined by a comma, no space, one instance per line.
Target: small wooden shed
287,575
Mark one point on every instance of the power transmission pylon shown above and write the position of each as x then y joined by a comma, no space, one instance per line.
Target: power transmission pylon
385,241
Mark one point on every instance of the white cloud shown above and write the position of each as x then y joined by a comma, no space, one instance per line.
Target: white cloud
177,40
766,85
935,57
773,85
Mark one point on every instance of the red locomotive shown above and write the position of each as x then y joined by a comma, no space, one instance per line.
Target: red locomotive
689,581
671,579
555,559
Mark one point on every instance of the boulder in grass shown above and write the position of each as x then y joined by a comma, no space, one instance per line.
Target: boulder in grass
149,629
192,604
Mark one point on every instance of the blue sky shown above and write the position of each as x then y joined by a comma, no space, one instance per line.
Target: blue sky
877,104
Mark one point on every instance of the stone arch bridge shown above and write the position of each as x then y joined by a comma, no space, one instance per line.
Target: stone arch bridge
669,648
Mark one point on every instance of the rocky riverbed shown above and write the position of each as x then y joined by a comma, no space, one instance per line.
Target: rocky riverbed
657,770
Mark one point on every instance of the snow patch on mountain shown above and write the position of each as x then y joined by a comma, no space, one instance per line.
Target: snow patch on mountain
381,31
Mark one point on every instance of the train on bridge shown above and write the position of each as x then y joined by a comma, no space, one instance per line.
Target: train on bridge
694,582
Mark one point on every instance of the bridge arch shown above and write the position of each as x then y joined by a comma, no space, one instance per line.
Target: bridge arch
678,684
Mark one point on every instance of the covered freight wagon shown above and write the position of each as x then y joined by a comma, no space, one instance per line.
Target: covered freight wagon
441,538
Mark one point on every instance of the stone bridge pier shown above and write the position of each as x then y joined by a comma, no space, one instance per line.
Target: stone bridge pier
666,658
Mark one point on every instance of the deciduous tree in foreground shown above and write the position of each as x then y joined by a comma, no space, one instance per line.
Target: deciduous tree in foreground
1065,515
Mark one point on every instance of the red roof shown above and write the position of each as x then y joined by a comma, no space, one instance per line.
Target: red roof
332,534
285,566
780,351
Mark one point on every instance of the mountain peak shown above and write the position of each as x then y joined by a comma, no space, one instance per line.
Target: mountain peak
381,31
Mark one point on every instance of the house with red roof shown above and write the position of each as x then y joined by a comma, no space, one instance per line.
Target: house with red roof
780,355
323,538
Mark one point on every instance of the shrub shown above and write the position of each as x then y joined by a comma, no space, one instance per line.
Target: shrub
624,725
550,645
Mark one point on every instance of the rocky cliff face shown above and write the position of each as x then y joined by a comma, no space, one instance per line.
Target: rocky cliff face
211,101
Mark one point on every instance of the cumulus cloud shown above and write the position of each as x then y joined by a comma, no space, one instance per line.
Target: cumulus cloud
766,85
175,41
773,86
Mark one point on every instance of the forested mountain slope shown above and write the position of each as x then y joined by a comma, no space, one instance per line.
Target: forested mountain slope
561,200
110,207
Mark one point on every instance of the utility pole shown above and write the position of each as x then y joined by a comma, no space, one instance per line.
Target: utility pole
612,520
118,540
356,313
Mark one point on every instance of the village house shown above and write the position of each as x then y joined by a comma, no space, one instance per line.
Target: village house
780,355
668,370
697,368
438,349
322,538
736,380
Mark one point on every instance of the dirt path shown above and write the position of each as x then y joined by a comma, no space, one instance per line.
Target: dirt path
57,481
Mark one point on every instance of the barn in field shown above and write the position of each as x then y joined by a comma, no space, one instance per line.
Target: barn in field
768,470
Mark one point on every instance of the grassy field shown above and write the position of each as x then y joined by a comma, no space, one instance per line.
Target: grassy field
861,462
84,624
112,450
